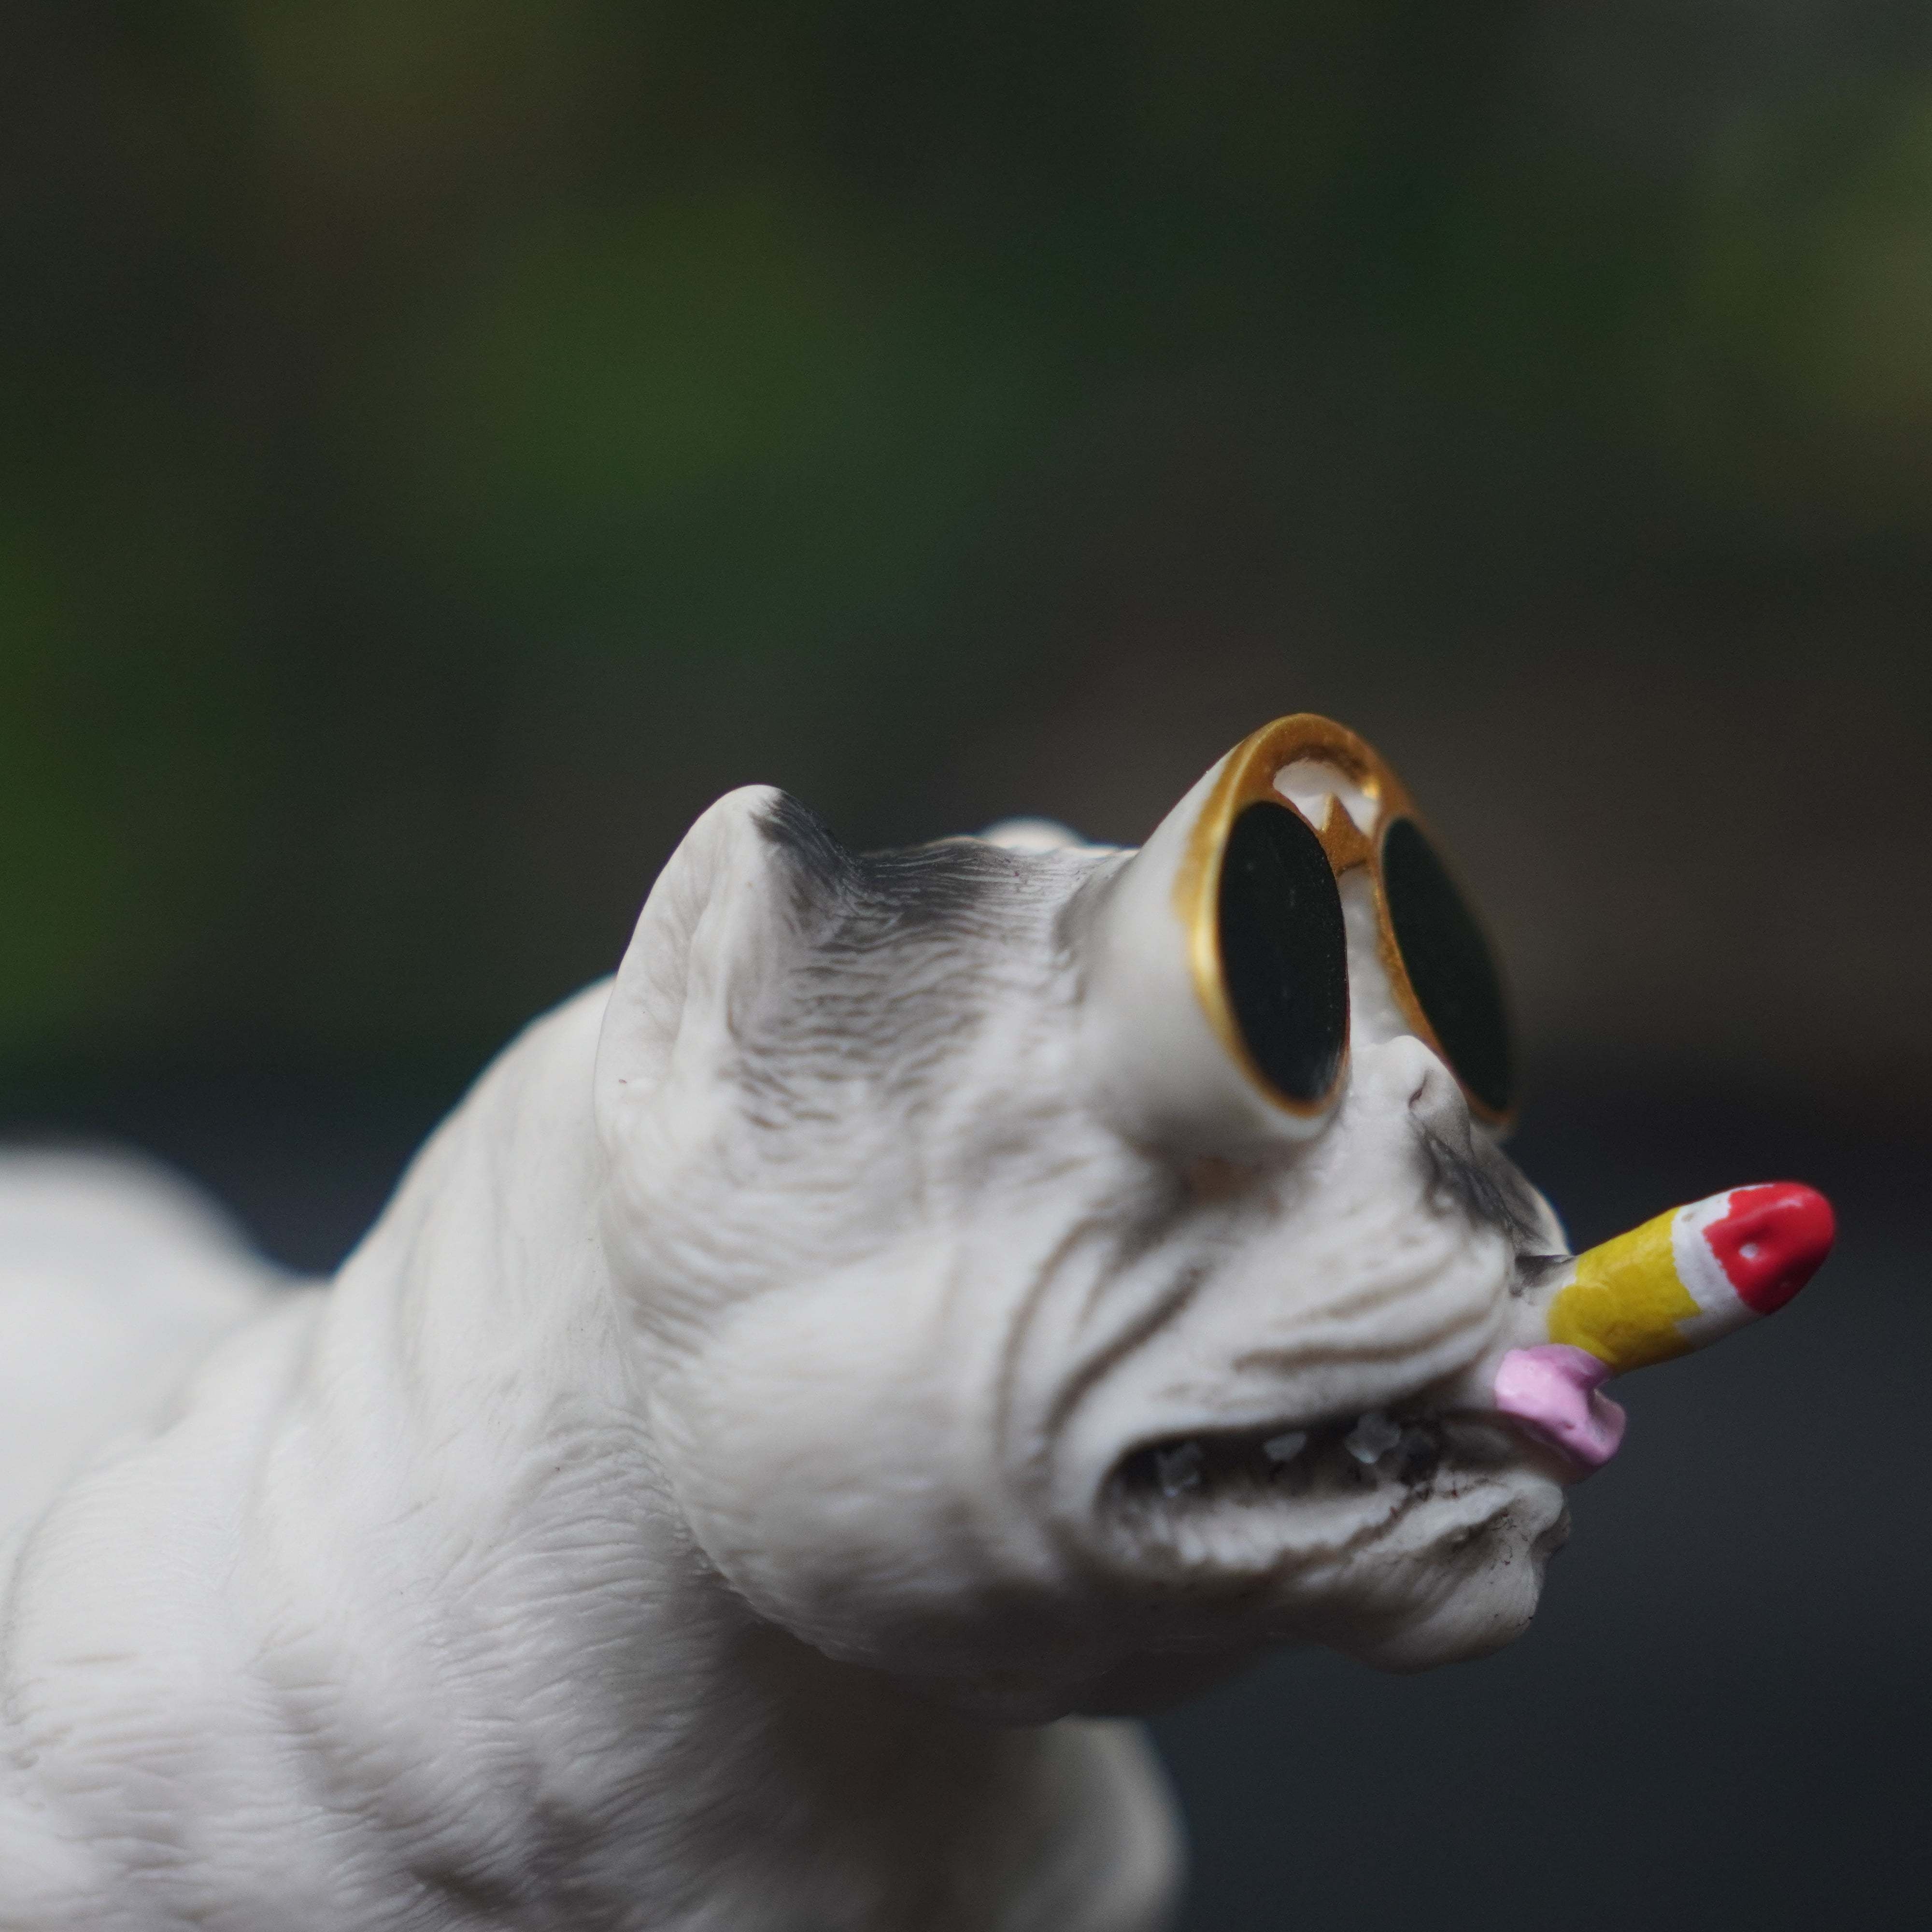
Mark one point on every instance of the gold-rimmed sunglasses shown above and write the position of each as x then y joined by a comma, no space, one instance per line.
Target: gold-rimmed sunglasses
1300,811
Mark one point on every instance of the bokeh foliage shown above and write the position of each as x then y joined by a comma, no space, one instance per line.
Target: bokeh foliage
443,444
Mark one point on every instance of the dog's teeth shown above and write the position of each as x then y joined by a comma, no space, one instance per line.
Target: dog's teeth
1285,1446
1372,1437
1179,1469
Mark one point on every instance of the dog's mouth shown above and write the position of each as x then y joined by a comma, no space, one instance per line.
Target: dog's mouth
1256,1464
1228,1496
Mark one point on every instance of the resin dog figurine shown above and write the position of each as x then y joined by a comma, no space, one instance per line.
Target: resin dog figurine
925,1306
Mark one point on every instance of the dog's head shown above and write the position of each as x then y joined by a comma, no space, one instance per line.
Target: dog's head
996,1331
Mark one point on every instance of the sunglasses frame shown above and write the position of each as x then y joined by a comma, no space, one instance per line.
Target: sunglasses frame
1247,777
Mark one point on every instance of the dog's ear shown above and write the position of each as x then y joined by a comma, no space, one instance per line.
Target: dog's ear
734,910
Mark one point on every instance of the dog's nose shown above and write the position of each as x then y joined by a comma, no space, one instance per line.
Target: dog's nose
1433,1095
1686,1278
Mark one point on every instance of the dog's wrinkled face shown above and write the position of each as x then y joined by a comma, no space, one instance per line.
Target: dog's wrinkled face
956,1372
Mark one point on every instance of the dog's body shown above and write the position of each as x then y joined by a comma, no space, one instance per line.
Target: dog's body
703,1498
386,1620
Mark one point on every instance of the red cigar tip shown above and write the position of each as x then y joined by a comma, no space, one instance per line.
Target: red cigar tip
1771,1240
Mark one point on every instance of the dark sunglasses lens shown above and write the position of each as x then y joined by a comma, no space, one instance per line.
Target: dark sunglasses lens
1284,951
1456,981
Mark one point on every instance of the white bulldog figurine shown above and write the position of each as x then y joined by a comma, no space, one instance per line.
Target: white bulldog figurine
928,1306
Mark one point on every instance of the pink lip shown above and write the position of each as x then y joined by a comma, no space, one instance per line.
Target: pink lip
1552,1392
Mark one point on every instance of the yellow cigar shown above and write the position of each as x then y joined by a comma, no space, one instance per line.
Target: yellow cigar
1693,1275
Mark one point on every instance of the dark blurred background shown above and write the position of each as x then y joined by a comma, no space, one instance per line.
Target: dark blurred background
443,446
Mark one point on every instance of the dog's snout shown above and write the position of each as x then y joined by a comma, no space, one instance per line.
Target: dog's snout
1404,1073
1435,1093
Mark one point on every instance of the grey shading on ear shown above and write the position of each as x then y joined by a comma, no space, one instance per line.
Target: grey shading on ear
903,956
850,900
773,962
823,865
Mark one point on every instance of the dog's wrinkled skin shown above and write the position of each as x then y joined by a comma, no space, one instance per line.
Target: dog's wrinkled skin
745,1439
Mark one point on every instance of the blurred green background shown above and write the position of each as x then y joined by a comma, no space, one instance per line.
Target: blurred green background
441,446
